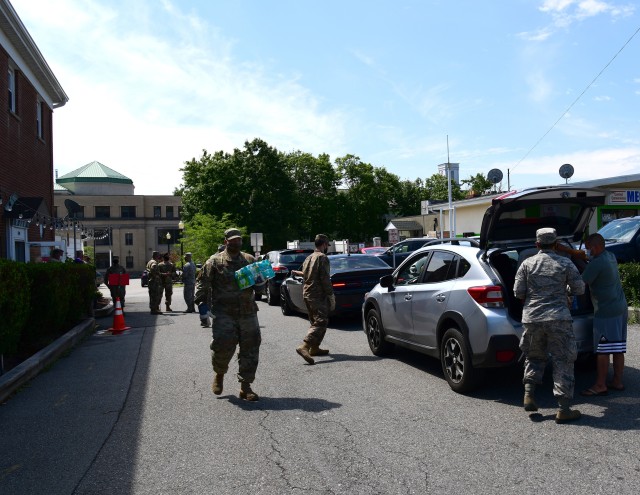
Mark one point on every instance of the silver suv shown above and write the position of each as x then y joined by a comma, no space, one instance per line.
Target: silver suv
456,303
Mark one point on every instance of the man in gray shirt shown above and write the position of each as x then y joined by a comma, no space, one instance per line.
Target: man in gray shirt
541,283
189,281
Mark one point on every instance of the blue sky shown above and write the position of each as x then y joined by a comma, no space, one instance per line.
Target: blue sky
151,83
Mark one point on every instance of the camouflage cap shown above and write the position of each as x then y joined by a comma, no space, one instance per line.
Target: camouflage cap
232,234
321,237
546,236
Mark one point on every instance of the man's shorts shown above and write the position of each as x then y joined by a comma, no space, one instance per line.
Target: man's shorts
610,335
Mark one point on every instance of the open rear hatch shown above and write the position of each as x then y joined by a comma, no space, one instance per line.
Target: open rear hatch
513,218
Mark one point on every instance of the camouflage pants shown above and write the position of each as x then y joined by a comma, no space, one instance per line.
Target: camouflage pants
189,295
229,332
155,295
318,310
552,340
117,291
168,292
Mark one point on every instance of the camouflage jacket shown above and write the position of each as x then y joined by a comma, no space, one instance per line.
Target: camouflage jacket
317,281
544,281
217,286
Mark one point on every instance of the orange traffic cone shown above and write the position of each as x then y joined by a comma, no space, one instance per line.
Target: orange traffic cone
119,325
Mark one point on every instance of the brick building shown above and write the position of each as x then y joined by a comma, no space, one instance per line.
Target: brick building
30,93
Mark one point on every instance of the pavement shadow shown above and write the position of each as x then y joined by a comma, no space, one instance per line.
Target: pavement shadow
305,404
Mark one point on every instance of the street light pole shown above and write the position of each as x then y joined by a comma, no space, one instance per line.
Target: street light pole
168,236
181,227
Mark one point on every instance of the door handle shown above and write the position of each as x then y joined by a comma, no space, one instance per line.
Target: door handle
441,298
408,297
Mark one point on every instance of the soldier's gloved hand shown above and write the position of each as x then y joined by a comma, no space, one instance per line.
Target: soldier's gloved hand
332,303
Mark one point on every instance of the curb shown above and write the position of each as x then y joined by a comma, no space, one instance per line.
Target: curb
30,368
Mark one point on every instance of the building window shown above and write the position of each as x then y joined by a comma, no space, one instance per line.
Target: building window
79,213
169,211
129,261
128,211
12,90
128,239
39,116
102,260
157,212
103,212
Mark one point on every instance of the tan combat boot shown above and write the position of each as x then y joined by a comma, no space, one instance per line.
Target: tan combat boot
565,414
246,393
315,350
303,350
168,308
529,399
216,386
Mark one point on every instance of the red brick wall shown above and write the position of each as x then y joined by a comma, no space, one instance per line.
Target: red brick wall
26,161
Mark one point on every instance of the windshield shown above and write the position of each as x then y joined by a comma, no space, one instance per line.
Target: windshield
356,262
620,230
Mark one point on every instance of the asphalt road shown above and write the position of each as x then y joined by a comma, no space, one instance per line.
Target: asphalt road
134,414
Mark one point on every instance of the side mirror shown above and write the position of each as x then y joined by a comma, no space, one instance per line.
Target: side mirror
386,281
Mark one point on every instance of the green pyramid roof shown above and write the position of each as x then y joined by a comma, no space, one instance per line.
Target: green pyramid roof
94,172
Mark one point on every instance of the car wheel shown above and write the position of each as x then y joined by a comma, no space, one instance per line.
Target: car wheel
456,362
375,334
285,305
272,297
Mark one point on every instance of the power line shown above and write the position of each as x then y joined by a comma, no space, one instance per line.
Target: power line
576,100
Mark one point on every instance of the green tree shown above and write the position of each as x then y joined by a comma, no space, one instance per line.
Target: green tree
436,189
314,194
408,197
478,183
203,233
367,199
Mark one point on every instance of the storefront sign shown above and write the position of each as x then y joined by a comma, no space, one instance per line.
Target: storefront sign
624,197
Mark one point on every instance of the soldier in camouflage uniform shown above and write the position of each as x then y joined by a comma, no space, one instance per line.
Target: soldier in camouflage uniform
542,282
167,270
117,291
155,284
235,319
318,296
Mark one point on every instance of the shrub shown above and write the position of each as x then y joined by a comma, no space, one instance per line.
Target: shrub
14,304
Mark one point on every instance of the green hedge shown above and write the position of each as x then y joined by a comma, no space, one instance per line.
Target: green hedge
630,277
41,301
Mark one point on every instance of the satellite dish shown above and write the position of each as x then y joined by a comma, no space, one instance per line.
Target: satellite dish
494,175
72,207
566,171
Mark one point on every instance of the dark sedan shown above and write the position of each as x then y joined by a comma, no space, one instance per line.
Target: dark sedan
352,275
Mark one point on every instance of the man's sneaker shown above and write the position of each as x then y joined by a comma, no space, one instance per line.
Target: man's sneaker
566,415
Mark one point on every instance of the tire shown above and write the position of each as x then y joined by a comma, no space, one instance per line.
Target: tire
456,362
285,306
273,298
375,335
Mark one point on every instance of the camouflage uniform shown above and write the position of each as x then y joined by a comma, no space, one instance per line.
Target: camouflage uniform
189,280
316,291
155,285
542,282
166,269
235,319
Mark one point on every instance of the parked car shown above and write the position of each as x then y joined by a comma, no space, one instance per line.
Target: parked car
373,250
399,251
282,262
351,277
99,278
144,278
456,303
622,238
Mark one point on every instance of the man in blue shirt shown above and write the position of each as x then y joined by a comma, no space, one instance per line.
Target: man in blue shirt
610,316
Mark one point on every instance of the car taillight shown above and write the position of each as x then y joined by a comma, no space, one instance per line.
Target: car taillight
342,285
488,296
280,269
505,356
